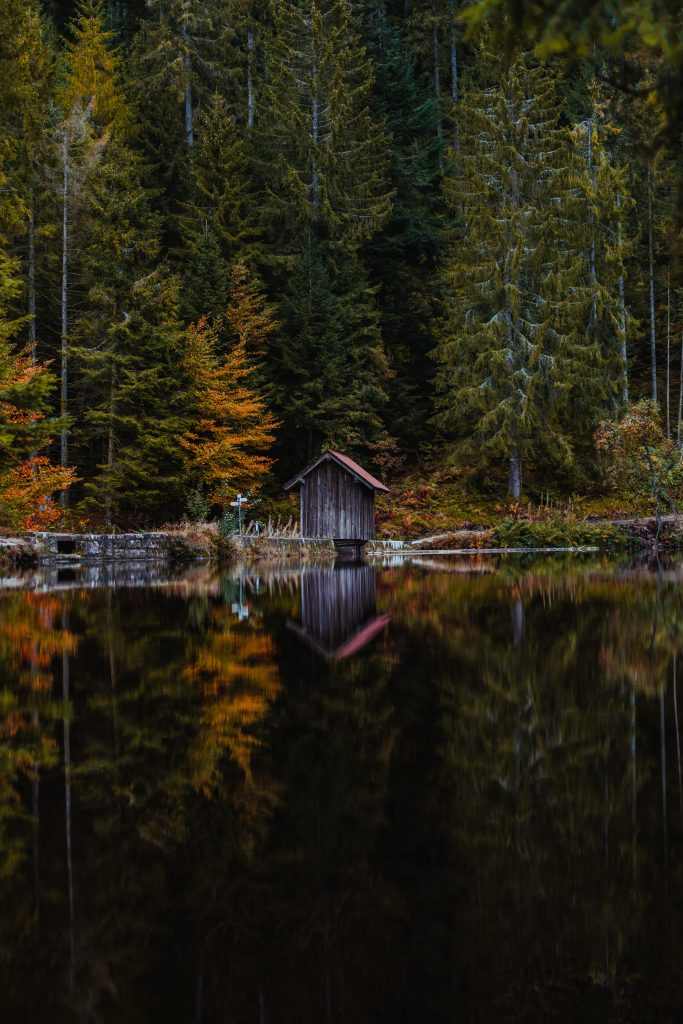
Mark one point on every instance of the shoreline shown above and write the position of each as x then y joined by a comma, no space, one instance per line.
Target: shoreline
185,546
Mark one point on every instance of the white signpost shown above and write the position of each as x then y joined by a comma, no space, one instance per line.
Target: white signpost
238,505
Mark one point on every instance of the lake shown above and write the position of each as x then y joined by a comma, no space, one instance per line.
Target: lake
440,790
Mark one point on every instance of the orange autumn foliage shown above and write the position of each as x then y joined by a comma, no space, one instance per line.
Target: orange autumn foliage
27,480
234,427
26,493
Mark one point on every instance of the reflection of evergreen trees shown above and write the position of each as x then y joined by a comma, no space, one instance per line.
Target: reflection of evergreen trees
477,818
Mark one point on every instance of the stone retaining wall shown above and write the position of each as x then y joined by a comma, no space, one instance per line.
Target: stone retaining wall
93,548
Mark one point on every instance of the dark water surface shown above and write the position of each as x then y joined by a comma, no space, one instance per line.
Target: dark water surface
410,793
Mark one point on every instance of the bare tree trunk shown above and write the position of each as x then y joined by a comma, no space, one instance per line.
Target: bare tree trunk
32,332
622,304
437,88
315,135
64,369
593,320
680,397
381,23
668,354
515,476
651,272
454,78
189,131
189,111
251,104
110,452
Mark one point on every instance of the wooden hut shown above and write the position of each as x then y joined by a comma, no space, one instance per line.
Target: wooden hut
337,499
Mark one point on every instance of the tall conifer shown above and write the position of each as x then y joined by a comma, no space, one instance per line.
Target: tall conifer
328,368
142,476
513,350
328,158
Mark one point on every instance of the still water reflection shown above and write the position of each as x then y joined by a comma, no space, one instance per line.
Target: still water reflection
440,792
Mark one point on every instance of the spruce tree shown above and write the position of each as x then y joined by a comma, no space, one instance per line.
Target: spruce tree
436,33
92,111
402,257
118,247
607,205
26,98
326,156
224,193
183,52
221,224
205,273
141,477
513,351
328,368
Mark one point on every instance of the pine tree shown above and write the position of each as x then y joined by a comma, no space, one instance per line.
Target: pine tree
92,82
221,225
326,157
183,52
249,317
606,205
118,247
92,112
205,274
26,94
402,257
141,477
328,368
513,350
436,33
223,181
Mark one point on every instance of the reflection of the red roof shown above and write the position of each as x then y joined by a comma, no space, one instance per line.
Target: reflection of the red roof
351,646
362,637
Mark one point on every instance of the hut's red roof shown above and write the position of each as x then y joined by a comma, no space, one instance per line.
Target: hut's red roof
347,463
359,471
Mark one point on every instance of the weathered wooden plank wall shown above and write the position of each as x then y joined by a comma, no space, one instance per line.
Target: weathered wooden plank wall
334,504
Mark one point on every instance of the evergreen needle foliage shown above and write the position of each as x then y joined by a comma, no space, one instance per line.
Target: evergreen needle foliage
442,236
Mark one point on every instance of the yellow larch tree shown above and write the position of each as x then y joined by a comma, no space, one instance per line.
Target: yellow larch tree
234,428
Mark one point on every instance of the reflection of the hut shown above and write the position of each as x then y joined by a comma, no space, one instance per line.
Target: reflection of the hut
338,610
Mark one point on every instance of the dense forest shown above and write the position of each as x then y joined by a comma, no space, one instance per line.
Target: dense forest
426,233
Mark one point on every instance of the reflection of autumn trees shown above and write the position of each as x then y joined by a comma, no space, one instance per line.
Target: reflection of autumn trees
468,820
235,671
31,638
297,928
642,633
